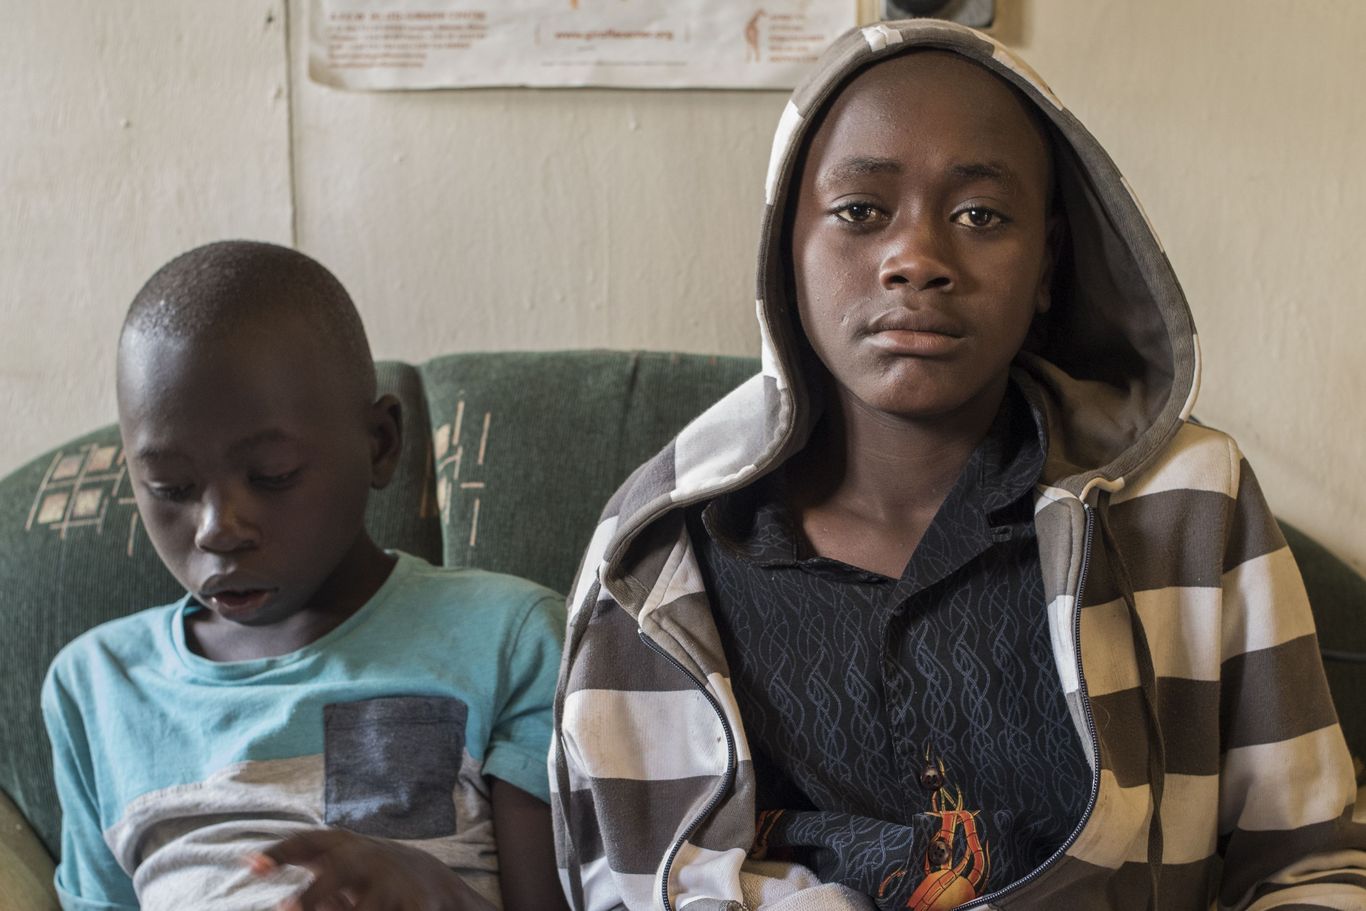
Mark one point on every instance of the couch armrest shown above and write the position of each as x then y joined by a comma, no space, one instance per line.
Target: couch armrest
25,868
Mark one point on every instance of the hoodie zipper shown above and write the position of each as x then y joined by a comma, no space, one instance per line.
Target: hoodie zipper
1038,871
728,779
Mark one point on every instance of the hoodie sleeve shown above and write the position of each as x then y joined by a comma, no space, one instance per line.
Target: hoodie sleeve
585,870
1291,835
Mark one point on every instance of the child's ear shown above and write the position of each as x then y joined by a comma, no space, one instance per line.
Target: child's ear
386,439
1055,228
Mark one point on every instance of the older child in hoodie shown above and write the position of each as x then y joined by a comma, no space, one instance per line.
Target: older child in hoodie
953,603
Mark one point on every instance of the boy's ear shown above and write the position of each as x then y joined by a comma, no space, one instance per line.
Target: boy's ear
1055,229
386,439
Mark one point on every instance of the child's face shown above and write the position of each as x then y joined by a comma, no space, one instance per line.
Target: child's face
251,466
920,238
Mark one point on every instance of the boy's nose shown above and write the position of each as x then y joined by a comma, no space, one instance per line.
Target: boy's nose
222,526
916,259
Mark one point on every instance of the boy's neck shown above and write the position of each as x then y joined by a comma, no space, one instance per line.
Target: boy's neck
867,485
361,574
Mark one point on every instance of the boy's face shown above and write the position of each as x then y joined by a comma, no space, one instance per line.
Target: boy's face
920,238
251,466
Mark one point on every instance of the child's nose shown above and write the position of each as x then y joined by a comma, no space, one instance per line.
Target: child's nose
916,257
223,526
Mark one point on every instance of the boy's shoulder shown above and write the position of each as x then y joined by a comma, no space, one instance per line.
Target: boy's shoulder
438,599
469,588
120,645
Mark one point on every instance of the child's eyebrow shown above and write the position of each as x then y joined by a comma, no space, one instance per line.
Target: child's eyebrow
863,166
154,454
265,437
858,166
983,170
260,438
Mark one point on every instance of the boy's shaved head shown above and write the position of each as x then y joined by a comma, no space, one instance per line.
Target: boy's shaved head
223,288
253,436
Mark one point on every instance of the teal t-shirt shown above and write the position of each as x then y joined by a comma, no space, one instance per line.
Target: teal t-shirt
170,767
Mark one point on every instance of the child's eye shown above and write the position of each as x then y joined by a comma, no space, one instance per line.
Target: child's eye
979,217
172,493
858,213
275,481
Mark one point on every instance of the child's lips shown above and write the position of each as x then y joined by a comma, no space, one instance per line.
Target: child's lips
237,602
915,343
923,333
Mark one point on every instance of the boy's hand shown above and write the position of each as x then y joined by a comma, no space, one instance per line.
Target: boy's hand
355,873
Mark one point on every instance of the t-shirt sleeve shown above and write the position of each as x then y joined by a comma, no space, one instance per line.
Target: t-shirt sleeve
88,876
520,738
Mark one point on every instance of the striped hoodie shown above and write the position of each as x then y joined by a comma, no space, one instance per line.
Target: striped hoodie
1181,633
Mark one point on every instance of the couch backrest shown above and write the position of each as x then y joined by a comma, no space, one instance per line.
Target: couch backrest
527,447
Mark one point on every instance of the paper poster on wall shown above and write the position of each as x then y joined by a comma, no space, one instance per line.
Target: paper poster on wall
429,44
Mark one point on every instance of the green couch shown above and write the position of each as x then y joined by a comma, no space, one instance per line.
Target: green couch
507,459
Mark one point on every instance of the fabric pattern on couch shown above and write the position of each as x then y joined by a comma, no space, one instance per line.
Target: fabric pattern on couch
528,446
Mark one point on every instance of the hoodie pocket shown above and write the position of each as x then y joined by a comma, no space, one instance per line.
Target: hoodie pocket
390,765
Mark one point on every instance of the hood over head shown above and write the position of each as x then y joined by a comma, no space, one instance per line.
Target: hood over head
1115,376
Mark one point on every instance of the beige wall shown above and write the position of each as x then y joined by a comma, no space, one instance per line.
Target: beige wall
540,219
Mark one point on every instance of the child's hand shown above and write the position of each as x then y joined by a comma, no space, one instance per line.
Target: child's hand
355,873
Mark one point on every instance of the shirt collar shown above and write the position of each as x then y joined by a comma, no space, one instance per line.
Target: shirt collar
754,523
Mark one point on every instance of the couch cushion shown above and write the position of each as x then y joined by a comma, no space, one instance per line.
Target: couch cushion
528,447
1338,597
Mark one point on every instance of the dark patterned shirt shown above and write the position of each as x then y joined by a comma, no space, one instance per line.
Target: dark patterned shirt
876,708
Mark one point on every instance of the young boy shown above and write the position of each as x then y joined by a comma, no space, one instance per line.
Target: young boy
384,717
953,603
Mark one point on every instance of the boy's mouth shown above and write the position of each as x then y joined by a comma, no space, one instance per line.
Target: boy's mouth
915,333
925,322
228,602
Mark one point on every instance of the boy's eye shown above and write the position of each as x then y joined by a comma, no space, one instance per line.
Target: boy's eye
173,493
859,213
979,217
275,481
